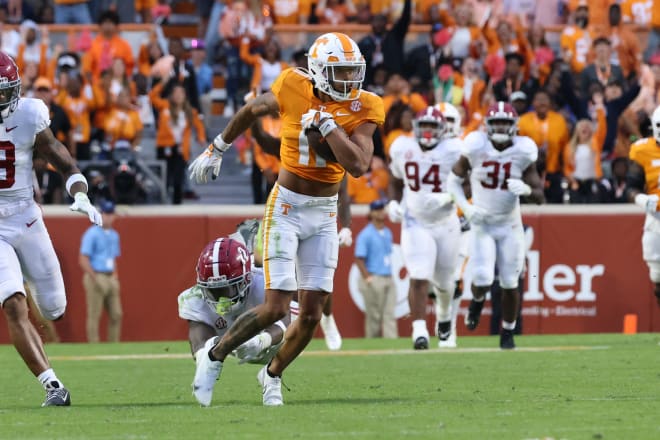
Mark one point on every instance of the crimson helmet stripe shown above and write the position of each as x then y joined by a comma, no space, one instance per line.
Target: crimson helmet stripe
216,257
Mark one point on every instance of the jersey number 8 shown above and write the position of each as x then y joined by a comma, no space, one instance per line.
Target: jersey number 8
7,160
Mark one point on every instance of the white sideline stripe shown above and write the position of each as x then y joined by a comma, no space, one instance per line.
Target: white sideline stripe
317,353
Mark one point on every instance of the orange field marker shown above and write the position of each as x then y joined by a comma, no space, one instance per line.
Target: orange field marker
630,324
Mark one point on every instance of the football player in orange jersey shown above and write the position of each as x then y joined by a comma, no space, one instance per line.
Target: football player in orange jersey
644,180
300,222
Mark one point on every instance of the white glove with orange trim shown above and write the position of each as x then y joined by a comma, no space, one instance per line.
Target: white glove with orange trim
323,121
210,159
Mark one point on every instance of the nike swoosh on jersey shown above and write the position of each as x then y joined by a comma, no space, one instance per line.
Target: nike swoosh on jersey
342,114
31,223
7,129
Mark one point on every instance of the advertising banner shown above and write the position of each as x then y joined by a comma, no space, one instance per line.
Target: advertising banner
584,271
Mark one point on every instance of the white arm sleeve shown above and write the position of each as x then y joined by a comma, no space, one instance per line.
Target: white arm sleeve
455,188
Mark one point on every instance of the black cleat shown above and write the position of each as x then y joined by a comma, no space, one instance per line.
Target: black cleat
57,397
444,330
506,340
421,343
473,315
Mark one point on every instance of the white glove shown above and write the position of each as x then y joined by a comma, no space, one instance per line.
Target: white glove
323,121
252,348
474,213
210,159
518,187
394,211
345,237
648,202
435,201
82,204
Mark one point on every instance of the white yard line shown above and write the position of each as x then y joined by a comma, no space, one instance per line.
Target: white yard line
153,356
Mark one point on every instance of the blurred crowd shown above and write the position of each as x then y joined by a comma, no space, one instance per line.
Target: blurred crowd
584,76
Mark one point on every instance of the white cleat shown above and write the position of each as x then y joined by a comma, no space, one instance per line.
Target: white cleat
450,342
271,388
331,332
206,373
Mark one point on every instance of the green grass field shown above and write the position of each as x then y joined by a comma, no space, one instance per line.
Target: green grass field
558,387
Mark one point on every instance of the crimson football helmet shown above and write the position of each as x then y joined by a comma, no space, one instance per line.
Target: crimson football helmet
501,122
429,127
223,273
10,85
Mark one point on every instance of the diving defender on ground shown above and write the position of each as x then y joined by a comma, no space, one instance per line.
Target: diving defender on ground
300,222
25,246
229,282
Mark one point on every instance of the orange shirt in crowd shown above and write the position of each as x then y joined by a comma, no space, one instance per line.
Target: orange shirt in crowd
641,12
78,110
290,11
577,42
550,134
43,60
369,187
123,124
100,55
141,5
598,11
164,135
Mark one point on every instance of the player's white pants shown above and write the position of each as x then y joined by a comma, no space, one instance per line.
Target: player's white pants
501,243
300,241
431,253
651,247
26,250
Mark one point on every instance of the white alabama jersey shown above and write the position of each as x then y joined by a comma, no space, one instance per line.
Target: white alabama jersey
193,306
424,173
17,135
491,169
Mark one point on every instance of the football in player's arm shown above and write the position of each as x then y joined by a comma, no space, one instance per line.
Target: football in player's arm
302,207
643,176
271,145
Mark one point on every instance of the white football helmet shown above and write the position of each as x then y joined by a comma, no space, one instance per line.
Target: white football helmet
655,123
429,127
337,66
452,119
501,122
